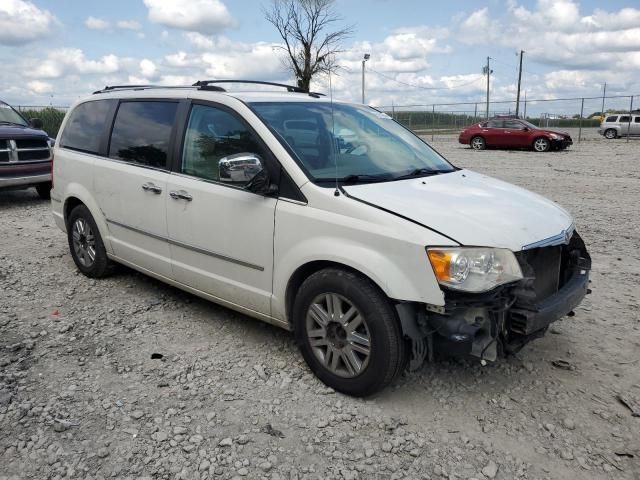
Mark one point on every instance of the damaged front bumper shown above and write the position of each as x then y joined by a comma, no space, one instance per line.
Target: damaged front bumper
503,320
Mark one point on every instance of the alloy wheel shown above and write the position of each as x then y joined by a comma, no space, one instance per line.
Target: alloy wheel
541,145
477,143
338,335
610,134
84,242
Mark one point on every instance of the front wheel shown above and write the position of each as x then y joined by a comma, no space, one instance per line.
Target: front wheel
348,332
478,143
541,144
610,133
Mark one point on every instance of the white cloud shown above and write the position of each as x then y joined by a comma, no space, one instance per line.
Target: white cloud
93,23
203,16
40,87
128,25
147,68
22,22
198,40
63,61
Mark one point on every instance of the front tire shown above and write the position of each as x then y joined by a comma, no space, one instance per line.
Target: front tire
348,332
85,244
541,144
611,133
478,143
44,190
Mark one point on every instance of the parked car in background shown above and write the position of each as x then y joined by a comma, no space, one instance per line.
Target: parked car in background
25,152
373,249
512,132
620,125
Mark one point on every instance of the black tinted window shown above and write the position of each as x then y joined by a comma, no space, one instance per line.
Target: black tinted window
624,119
213,134
141,132
636,119
612,119
86,125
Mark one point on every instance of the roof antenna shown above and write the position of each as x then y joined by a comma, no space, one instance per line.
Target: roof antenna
336,193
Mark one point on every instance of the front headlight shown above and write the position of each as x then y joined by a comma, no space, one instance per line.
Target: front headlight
555,136
474,269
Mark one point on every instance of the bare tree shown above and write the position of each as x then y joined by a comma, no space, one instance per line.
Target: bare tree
306,26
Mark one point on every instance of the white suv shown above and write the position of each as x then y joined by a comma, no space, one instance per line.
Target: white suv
325,218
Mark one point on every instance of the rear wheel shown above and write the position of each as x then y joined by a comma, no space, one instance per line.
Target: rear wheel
541,144
44,190
85,244
348,332
478,143
610,133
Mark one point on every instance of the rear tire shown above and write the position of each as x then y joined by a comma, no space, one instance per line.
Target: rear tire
348,332
478,143
611,133
541,144
44,190
85,244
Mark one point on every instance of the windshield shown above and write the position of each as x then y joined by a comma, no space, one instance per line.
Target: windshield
9,115
527,124
356,143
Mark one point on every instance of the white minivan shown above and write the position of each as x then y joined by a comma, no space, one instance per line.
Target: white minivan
325,218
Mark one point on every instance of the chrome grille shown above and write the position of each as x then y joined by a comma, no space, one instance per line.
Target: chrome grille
24,150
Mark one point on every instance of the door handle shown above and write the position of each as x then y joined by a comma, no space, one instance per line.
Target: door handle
180,195
150,187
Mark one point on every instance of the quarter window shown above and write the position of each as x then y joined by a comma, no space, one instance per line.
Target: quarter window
214,134
141,132
86,126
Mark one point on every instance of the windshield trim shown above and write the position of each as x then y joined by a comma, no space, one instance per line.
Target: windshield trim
330,182
26,122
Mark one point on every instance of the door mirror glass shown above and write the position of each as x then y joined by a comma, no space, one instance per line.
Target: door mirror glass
239,168
525,129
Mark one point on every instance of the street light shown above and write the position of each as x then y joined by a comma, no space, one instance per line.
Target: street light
366,57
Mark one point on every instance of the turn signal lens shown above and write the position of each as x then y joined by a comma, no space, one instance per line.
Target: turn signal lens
441,263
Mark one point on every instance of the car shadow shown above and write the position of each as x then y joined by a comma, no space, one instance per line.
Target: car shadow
10,199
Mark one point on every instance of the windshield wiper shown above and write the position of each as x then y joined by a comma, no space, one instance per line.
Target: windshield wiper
353,178
419,172
6,122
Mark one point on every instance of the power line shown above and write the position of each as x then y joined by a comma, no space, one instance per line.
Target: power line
420,86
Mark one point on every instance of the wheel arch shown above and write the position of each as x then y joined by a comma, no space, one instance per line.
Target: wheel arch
77,195
305,271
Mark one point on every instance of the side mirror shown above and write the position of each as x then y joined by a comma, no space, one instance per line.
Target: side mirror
36,123
239,168
525,129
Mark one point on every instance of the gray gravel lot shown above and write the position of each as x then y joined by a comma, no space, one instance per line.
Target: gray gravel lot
81,396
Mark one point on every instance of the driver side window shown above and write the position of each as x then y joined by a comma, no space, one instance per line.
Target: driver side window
214,134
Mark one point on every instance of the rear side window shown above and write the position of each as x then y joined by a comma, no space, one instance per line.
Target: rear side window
141,132
612,119
495,123
86,126
624,119
636,119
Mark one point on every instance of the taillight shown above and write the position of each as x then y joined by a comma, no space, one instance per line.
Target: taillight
51,149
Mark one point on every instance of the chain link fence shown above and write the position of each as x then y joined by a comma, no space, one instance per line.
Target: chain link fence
581,116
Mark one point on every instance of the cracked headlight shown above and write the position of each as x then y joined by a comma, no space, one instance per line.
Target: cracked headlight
474,269
555,136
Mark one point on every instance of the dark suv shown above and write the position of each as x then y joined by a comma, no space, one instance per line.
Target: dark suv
25,152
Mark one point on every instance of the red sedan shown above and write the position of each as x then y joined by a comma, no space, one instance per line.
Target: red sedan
513,133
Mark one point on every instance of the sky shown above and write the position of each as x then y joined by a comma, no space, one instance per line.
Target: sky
422,51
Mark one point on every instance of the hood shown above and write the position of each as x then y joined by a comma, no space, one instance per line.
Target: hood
471,208
558,132
17,131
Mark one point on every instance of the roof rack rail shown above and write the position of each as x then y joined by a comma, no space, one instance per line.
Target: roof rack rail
111,88
209,85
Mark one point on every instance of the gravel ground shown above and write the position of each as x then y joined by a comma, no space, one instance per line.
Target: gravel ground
83,396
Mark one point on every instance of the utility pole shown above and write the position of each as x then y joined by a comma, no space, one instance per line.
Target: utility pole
604,93
364,59
519,80
487,71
